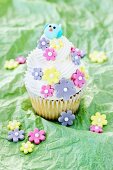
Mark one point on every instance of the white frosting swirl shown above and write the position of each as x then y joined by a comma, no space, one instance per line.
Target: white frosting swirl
63,63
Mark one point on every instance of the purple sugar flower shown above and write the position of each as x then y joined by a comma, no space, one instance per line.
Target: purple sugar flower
65,88
66,118
43,43
83,53
75,58
37,73
16,135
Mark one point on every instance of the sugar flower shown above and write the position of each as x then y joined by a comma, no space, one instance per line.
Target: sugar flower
27,147
47,91
78,52
95,128
21,60
57,44
37,136
43,43
78,78
16,135
66,118
13,125
51,75
75,58
98,57
37,73
11,64
65,89
99,119
50,54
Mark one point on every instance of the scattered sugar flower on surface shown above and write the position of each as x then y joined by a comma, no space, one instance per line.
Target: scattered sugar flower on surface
99,119
16,135
50,54
43,43
21,60
65,89
13,125
56,44
95,128
78,78
37,136
98,57
51,75
27,147
11,64
47,91
66,118
37,73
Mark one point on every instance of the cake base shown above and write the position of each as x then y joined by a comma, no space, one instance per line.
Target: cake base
51,109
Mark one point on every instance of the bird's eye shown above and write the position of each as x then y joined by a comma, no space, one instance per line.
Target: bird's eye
54,27
49,25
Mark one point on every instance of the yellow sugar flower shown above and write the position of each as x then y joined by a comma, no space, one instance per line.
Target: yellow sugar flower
51,75
13,125
27,147
99,119
56,44
83,70
98,57
11,64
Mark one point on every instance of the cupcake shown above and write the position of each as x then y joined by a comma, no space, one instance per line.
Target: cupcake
55,76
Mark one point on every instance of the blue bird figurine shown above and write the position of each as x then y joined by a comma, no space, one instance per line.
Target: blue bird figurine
53,31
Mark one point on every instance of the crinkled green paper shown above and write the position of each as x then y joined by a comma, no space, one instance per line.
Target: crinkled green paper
89,25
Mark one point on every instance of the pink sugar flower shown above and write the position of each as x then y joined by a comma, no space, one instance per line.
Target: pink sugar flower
78,52
21,60
37,136
47,91
95,128
78,78
50,54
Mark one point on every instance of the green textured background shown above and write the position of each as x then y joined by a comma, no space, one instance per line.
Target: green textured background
89,25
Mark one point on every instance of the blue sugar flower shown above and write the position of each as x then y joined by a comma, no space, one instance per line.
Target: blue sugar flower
37,73
16,135
65,89
43,43
53,31
66,118
75,58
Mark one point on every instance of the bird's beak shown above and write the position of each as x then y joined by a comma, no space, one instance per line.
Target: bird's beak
51,29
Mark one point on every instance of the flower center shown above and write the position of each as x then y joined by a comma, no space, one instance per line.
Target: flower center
76,57
16,133
66,119
80,77
65,89
99,120
13,124
26,146
96,127
43,43
46,91
37,135
50,54
36,73
51,75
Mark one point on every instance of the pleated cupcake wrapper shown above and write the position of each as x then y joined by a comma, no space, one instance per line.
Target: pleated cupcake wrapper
51,109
